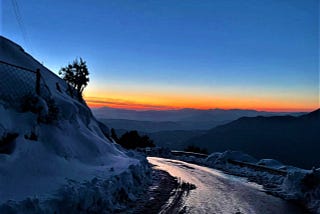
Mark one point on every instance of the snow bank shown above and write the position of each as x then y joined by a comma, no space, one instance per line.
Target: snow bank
304,186
191,159
221,158
298,184
54,155
271,163
98,195
221,161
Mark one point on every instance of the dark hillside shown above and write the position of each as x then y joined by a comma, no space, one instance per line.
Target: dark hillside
292,140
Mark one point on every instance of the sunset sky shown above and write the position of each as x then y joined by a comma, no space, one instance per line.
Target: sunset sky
252,54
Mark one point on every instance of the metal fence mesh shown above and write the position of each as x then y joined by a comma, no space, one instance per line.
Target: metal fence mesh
17,82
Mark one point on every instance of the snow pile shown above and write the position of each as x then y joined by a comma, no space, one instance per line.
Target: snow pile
222,158
54,155
221,161
304,186
271,163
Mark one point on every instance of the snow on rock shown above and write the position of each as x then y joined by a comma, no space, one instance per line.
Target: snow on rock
222,158
192,159
302,185
221,161
213,157
65,164
271,163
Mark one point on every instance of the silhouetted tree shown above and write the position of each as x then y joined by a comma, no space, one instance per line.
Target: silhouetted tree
76,74
195,149
132,140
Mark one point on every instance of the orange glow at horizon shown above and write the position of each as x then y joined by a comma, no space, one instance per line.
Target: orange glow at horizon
170,102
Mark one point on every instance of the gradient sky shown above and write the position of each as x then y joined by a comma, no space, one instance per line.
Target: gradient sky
143,54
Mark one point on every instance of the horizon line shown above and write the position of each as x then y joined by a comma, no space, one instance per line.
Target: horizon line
127,104
284,110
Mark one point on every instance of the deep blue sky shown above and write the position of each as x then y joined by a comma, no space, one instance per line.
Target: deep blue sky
261,51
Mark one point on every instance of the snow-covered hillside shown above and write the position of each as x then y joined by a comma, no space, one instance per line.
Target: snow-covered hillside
64,163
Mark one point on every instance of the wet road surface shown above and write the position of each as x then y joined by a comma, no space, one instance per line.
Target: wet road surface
217,192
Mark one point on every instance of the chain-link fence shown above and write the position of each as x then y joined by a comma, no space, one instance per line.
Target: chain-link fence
17,82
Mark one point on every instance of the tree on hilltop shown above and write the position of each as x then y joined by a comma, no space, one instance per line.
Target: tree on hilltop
76,74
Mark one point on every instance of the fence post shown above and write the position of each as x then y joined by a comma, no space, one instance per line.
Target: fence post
38,74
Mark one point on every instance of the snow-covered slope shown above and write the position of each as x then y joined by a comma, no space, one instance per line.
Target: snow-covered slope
66,158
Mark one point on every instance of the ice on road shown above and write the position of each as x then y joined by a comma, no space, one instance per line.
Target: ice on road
217,192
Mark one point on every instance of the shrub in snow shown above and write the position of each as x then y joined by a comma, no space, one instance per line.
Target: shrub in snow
35,104
47,110
7,143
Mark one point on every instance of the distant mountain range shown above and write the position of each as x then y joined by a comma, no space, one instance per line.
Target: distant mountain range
169,120
292,140
157,126
218,115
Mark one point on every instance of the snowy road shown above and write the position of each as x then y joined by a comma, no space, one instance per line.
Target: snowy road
220,193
